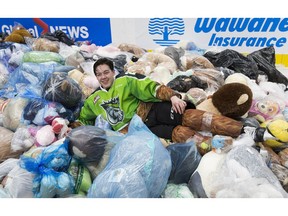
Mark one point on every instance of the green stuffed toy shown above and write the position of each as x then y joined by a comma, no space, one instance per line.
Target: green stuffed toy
81,176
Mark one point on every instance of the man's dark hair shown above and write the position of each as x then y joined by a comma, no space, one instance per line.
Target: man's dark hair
102,61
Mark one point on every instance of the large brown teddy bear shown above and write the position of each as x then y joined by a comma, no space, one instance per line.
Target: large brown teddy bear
218,115
232,100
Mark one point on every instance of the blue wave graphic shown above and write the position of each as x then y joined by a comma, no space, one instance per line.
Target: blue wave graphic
173,33
168,24
166,27
155,33
177,32
165,22
166,43
164,19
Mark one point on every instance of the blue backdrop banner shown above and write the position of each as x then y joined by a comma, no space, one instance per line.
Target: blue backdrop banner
95,30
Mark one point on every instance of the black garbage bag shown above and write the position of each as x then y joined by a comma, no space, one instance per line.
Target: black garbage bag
235,61
265,59
225,71
183,83
58,35
175,54
39,112
185,159
119,61
87,143
3,35
62,89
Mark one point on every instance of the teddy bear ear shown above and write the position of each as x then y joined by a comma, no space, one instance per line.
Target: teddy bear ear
236,78
242,99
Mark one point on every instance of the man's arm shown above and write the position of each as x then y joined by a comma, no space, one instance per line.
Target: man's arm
87,116
167,94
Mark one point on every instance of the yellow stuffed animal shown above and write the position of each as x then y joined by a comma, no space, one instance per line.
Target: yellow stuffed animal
278,128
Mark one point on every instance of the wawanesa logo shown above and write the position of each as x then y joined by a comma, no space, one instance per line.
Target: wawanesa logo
166,28
245,26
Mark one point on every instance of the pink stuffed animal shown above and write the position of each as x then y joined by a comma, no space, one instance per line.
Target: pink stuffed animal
45,136
60,127
265,109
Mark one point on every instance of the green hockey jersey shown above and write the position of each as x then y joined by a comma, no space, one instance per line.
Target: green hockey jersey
119,104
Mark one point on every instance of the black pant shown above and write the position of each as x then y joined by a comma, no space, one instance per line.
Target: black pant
161,119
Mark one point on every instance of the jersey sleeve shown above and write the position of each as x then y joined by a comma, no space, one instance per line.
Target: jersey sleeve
143,87
87,116
149,90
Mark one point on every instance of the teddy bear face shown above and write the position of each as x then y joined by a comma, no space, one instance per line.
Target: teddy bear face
233,99
268,108
264,109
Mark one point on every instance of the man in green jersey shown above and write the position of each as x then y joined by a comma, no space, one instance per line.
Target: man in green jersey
120,97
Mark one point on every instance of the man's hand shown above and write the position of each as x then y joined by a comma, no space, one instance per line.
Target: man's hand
178,104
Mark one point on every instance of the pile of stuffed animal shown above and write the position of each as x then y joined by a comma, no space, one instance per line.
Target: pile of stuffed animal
234,143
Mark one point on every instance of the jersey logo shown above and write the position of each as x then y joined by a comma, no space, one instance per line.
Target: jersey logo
96,99
113,111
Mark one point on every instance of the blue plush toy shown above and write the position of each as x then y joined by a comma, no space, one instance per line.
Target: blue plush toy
50,169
